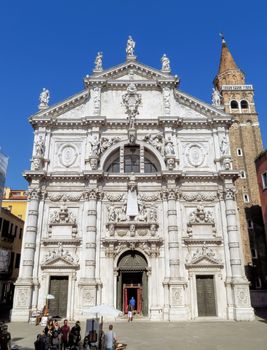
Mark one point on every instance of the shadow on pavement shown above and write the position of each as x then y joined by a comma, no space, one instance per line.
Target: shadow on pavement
261,312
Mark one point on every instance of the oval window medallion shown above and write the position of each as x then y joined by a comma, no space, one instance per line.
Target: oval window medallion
195,155
68,155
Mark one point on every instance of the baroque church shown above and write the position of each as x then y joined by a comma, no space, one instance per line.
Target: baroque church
132,194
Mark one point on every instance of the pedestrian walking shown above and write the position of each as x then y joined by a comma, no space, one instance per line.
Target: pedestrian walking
110,338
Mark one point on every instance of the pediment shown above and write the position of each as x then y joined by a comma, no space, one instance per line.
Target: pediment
205,261
59,262
130,71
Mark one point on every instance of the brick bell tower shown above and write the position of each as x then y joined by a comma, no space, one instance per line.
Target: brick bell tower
246,144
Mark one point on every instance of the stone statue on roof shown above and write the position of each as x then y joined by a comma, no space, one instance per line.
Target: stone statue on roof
44,98
130,47
98,62
165,64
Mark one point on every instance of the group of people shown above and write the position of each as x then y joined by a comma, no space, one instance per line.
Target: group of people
56,337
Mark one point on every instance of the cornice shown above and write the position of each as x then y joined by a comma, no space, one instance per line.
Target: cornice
202,107
61,107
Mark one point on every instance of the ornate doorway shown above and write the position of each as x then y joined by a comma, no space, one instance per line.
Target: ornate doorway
59,289
132,282
205,296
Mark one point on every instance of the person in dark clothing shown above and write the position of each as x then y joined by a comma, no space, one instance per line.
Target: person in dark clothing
75,336
5,337
65,332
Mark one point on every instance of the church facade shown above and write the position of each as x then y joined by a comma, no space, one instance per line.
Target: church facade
132,194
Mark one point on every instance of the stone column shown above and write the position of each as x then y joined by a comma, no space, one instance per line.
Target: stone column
90,237
242,310
87,283
24,284
173,235
178,310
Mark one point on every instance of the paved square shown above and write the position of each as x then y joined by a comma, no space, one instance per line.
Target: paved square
213,335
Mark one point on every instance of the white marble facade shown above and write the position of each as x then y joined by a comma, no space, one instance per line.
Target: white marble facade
132,164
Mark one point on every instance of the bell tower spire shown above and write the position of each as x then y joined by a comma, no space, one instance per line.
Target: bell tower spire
246,143
228,73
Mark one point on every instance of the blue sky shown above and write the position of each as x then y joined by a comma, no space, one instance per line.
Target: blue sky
53,44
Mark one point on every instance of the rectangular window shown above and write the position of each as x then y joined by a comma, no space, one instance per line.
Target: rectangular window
264,180
239,152
11,261
246,198
20,233
16,230
17,262
5,228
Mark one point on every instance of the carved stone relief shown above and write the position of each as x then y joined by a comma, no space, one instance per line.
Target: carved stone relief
198,219
199,196
60,252
72,197
202,253
67,155
195,154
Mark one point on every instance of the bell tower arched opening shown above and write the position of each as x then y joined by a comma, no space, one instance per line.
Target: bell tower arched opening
132,281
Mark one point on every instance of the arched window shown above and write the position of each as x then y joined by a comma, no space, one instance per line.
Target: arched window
149,167
132,160
244,104
234,104
114,167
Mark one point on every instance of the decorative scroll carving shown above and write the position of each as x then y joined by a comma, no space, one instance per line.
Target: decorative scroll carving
62,216
60,252
34,194
96,99
200,217
230,193
199,197
131,100
149,246
166,100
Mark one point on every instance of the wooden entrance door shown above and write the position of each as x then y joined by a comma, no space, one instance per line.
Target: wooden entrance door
205,296
59,289
127,288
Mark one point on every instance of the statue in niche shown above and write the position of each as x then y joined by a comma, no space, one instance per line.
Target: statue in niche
169,148
44,98
130,46
95,146
132,206
98,62
216,98
153,214
155,141
106,143
121,214
165,63
39,147
224,145
143,214
111,214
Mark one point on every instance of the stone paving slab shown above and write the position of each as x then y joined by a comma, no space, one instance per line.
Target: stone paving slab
149,335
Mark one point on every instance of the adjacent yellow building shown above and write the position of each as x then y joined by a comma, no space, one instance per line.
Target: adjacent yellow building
15,201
